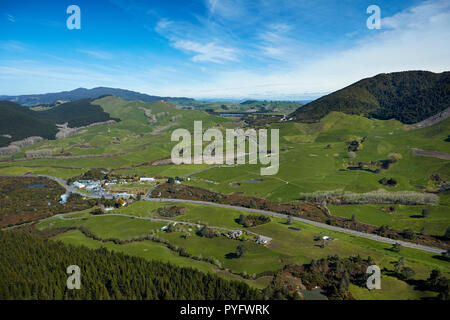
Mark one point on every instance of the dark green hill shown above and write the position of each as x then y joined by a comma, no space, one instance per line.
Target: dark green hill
409,97
20,122
77,113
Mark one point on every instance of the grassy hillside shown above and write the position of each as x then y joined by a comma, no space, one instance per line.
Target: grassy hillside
409,97
315,156
121,146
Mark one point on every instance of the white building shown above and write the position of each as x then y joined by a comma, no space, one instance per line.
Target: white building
235,233
146,179
263,240
64,198
79,185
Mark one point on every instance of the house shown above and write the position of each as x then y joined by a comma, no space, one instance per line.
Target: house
235,234
79,185
163,228
64,198
123,195
327,238
146,179
263,240
92,186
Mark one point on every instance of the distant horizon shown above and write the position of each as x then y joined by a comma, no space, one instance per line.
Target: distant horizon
300,98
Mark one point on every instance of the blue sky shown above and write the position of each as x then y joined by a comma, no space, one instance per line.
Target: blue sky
271,49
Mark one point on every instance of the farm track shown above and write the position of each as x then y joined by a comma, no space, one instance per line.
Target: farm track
274,214
433,154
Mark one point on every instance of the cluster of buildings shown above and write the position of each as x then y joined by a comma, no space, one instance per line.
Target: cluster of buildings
236,234
99,188
263,240
285,118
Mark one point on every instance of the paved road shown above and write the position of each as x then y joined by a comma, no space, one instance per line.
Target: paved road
274,214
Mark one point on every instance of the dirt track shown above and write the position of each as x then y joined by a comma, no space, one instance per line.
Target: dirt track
434,154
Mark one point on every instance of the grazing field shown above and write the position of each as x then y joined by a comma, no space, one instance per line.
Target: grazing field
289,246
403,217
314,157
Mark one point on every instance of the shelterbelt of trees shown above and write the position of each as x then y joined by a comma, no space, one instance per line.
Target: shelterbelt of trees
35,268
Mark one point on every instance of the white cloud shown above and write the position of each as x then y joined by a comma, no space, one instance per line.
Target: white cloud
209,52
14,46
97,54
226,9
163,23
414,39
273,64
10,18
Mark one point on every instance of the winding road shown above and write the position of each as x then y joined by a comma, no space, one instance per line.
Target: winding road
274,214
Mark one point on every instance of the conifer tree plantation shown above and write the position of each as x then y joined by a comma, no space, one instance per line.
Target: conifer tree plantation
34,268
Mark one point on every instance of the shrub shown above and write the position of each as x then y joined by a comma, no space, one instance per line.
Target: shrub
395,156
253,220
171,212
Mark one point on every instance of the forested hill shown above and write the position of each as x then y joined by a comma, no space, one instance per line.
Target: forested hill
33,268
18,122
409,97
82,93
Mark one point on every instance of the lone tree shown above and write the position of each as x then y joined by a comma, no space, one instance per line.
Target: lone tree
398,265
425,213
445,255
241,250
396,247
171,228
289,220
447,234
407,273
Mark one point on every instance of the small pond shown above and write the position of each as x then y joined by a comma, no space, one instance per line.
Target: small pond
314,294
254,180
